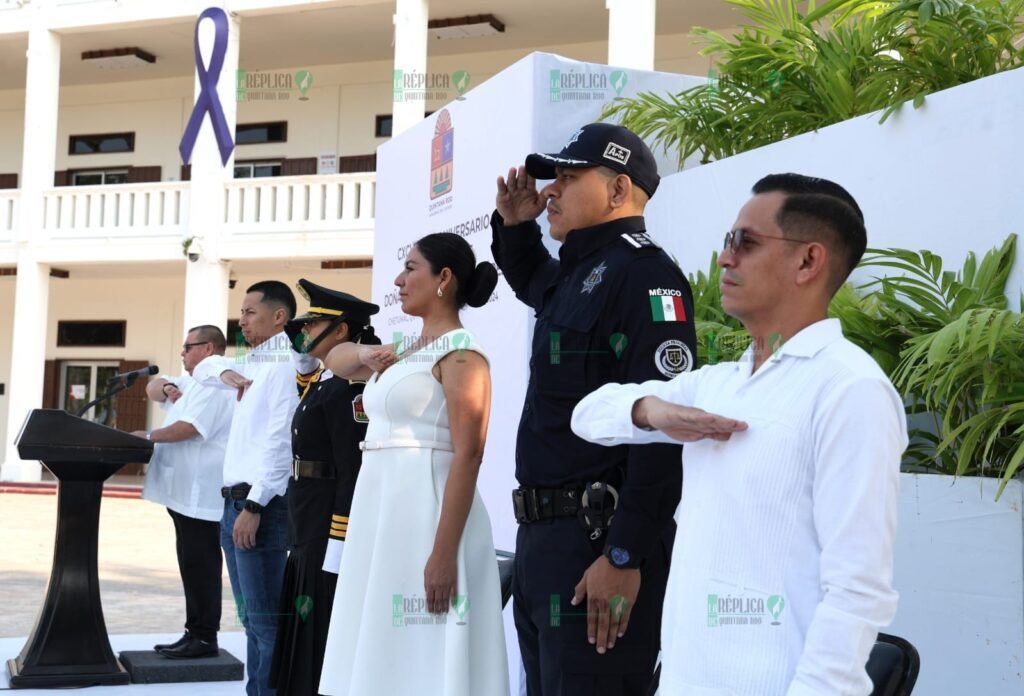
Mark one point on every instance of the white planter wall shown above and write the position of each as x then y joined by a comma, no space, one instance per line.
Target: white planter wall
960,575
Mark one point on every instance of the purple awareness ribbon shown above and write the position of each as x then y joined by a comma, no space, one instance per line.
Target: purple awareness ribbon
208,101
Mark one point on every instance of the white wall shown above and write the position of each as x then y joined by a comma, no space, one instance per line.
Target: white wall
153,307
338,116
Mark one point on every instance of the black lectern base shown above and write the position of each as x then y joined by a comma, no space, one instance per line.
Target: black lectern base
46,681
148,667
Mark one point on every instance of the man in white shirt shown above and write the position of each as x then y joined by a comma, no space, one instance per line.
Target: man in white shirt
185,474
781,572
257,463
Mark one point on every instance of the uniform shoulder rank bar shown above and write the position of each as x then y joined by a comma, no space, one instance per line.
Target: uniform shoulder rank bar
639,240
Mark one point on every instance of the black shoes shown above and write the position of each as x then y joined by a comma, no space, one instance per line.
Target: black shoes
176,644
191,649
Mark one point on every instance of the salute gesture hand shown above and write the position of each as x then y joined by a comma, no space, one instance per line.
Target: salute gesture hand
518,200
683,423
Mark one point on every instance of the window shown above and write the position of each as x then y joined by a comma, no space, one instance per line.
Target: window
81,382
100,144
98,177
248,170
235,337
91,333
382,127
253,133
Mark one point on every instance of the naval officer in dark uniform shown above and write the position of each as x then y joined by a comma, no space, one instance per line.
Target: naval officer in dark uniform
326,431
596,523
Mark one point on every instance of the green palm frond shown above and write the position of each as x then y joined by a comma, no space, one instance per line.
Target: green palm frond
792,69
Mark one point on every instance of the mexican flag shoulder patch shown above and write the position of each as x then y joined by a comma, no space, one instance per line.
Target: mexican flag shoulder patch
666,305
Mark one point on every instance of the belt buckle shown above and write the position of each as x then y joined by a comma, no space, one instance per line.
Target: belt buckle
295,468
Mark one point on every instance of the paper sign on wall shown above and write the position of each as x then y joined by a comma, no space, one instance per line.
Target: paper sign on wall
78,391
327,163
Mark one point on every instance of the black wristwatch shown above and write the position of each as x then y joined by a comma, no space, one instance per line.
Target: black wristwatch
620,557
253,507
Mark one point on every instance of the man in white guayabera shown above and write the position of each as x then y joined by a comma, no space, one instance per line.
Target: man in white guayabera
781,572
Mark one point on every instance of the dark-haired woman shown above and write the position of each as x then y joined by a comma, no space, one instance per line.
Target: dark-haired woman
327,428
419,607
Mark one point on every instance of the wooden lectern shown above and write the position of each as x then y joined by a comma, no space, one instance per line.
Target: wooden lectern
68,645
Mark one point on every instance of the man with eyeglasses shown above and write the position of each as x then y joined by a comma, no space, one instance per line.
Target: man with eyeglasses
185,474
782,568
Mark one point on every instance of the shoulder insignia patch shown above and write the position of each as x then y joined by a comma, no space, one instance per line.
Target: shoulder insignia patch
594,279
358,413
673,358
639,240
666,304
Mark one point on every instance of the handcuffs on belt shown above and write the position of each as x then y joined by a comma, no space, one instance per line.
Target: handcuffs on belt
597,508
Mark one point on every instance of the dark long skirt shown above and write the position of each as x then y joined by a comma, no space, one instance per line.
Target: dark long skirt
307,594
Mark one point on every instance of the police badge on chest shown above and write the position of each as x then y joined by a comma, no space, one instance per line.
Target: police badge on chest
594,279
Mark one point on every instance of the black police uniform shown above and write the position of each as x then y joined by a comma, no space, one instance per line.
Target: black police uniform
327,428
613,308
595,325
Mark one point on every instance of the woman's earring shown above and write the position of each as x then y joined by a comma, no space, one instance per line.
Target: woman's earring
439,293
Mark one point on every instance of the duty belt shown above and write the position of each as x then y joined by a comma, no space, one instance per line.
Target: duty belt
304,468
237,492
536,504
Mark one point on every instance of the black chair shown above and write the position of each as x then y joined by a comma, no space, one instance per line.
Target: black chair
506,565
893,667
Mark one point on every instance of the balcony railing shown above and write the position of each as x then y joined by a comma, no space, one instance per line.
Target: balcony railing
320,203
8,214
290,204
121,210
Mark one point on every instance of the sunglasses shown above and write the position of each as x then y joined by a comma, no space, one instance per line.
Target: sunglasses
189,346
734,239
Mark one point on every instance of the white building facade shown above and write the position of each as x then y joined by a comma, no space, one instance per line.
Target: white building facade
111,248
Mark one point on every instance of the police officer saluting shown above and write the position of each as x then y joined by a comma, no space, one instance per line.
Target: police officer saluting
596,525
326,430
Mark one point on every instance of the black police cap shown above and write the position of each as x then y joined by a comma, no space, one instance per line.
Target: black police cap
601,144
325,303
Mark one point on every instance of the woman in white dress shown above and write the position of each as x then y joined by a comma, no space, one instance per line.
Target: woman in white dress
418,605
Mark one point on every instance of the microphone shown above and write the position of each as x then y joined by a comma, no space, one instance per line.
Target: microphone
134,374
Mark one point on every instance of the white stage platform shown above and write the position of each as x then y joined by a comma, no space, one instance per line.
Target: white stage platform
232,641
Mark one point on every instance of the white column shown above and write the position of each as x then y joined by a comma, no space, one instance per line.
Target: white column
206,279
32,288
631,33
410,59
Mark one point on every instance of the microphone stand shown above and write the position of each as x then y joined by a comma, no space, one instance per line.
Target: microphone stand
118,387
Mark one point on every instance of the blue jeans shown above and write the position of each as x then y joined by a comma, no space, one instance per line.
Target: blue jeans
256,577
